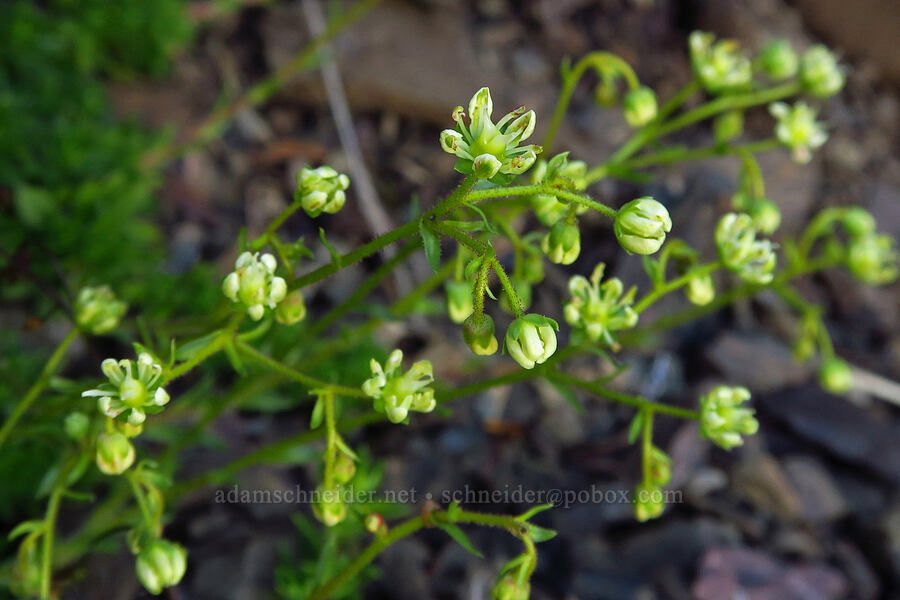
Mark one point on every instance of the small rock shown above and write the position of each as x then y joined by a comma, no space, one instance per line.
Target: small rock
820,497
760,480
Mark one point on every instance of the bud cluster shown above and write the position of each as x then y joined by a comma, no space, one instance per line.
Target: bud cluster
486,149
596,310
719,65
321,190
722,418
752,259
253,283
395,392
97,310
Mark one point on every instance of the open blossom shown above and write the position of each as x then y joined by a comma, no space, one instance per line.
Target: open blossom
798,129
133,389
598,309
395,392
487,149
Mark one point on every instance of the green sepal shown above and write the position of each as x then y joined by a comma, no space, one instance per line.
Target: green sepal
459,537
634,430
539,534
432,244
318,413
534,510
25,527
335,255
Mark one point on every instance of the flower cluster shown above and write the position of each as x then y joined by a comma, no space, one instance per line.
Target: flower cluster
722,418
134,388
531,339
488,150
719,65
562,173
97,310
596,310
641,225
321,190
797,129
161,564
395,392
752,259
253,283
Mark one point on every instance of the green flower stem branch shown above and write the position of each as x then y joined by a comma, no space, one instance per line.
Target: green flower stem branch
636,401
679,98
675,284
600,61
647,445
509,523
710,109
38,386
675,154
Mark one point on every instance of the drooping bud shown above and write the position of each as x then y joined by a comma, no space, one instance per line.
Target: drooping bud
778,60
531,339
478,333
115,454
321,190
460,302
700,290
649,501
509,588
375,524
835,376
161,564
640,106
820,72
641,225
562,244
330,509
292,309
728,126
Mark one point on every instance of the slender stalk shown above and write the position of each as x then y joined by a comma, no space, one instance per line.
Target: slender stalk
214,345
635,401
276,223
38,386
48,537
680,97
291,373
647,446
330,440
668,156
515,301
675,284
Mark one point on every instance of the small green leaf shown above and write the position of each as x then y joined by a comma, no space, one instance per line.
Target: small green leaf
335,255
25,527
472,267
534,510
432,244
539,534
342,445
318,413
236,363
461,538
634,430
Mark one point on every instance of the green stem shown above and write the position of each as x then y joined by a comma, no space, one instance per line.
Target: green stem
680,97
214,345
141,500
647,446
668,156
330,440
291,373
675,284
48,537
635,401
277,222
38,386
515,301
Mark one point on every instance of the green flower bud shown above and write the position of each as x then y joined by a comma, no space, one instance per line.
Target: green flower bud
344,468
479,334
115,454
798,129
873,259
765,214
596,310
523,291
835,376
97,311
858,221
161,564
562,244
253,283
330,509
641,225
719,65
560,172
508,588
375,524
292,309
700,290
76,425
728,126
130,431
532,265
487,150
660,467
820,73
321,190
722,418
460,302
134,386
649,501
640,106
778,60
396,393
753,260
531,339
